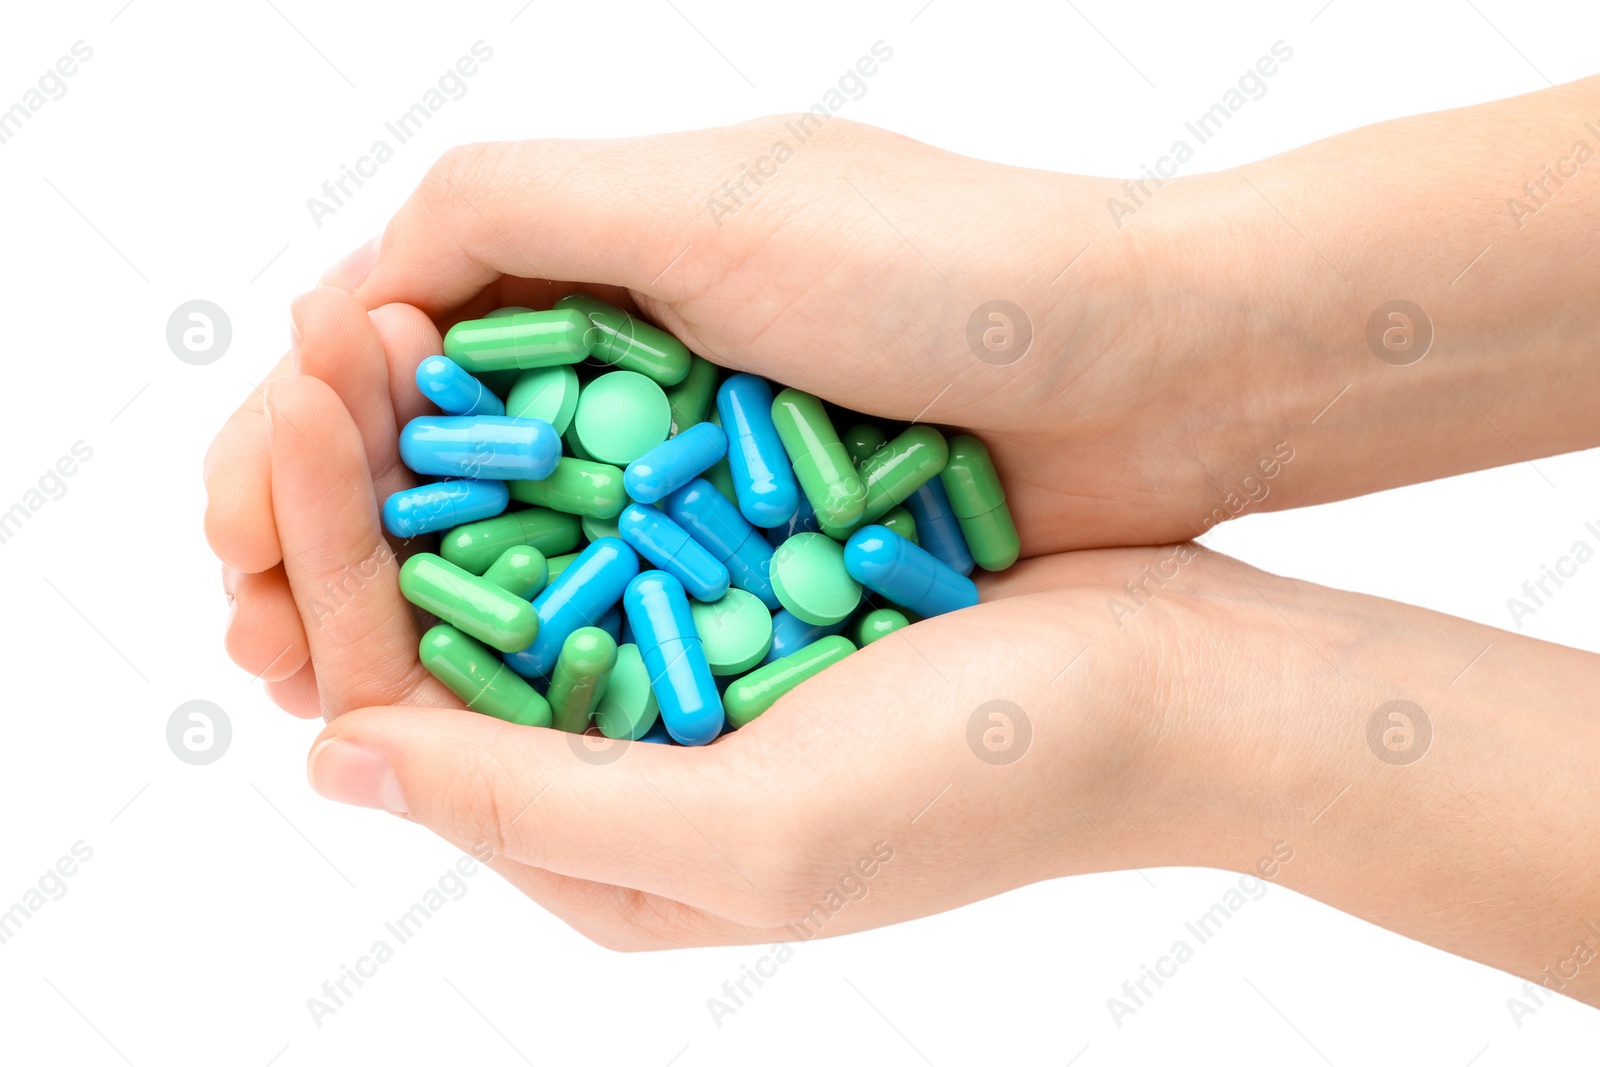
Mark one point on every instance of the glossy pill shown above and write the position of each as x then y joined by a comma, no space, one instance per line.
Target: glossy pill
519,340
579,596
862,440
823,468
577,487
476,545
898,570
692,398
810,579
762,478
521,571
587,658
611,622
938,530
441,505
900,521
804,521
757,691
790,635
735,632
480,446
627,709
629,342
500,619
667,545
559,565
548,393
878,624
621,416
897,470
716,523
675,462
454,391
480,678
658,612
979,503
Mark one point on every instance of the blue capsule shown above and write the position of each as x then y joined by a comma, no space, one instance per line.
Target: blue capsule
681,678
441,505
657,734
893,567
666,544
938,530
481,446
714,522
671,464
762,478
805,521
580,596
790,634
611,623
453,390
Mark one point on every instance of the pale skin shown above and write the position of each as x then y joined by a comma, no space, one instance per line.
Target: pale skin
1171,354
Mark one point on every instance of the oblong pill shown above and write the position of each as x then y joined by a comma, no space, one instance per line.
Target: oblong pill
895,471
790,635
938,530
894,568
480,446
821,464
673,463
577,487
441,505
500,619
979,502
757,691
878,624
628,708
579,596
667,545
548,393
521,571
810,579
587,658
476,545
712,520
862,440
735,632
658,612
519,340
628,342
454,391
480,678
762,478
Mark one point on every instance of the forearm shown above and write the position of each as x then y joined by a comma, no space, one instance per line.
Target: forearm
1484,218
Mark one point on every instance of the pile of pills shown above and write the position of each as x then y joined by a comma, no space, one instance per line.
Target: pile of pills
689,547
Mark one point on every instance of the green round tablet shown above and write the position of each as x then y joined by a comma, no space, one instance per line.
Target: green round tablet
628,708
809,578
621,416
735,631
548,393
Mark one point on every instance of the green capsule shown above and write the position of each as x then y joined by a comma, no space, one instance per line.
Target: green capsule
629,342
757,691
559,564
894,472
476,545
481,678
691,399
587,658
862,440
876,625
628,707
499,619
900,521
519,340
577,487
823,467
979,502
521,571
594,528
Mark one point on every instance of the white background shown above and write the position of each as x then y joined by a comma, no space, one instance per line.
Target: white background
219,898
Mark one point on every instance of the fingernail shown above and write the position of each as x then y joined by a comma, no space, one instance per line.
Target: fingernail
294,344
344,771
352,270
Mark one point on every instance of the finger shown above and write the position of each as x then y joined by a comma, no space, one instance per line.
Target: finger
264,635
408,337
238,492
536,209
361,633
297,694
663,821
